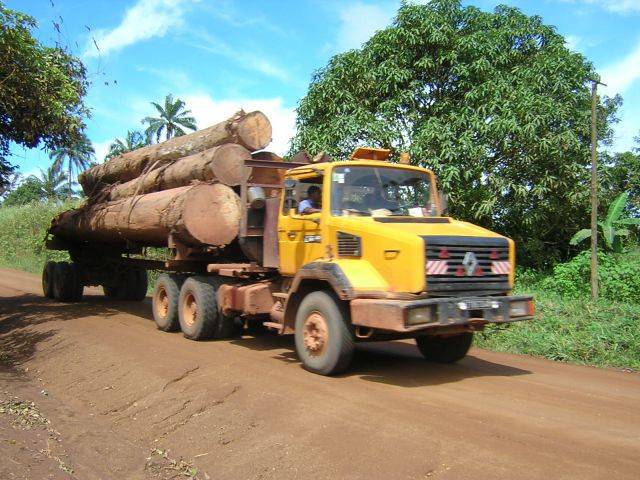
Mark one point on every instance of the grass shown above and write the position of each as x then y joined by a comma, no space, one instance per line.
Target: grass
604,334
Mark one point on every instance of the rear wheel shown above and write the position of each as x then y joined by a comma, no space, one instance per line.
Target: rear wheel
67,282
47,279
324,341
198,308
166,295
445,349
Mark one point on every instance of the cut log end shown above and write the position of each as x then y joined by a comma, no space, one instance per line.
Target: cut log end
254,131
228,164
200,205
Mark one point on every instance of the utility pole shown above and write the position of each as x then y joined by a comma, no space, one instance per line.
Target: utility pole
594,189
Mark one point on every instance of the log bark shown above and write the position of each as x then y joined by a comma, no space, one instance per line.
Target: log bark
225,164
251,130
196,215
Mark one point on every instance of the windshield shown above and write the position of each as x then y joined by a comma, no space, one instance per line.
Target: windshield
380,191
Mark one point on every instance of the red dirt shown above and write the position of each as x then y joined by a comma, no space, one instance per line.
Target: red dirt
117,388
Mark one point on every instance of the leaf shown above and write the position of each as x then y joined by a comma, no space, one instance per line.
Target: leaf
580,236
629,221
616,209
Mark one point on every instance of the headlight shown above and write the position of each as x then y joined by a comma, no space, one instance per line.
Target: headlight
521,309
416,316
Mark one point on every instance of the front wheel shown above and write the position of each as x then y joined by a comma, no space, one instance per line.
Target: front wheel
445,348
324,341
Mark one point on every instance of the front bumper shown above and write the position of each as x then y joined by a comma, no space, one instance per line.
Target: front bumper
416,315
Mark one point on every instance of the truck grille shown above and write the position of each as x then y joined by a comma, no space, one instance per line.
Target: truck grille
349,245
454,280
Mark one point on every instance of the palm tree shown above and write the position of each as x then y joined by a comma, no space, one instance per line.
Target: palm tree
132,141
171,119
77,156
51,183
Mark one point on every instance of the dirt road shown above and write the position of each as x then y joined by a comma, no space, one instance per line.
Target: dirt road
121,396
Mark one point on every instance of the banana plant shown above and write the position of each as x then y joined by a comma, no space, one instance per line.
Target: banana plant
612,228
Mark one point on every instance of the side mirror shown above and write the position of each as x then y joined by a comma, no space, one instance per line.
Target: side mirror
289,194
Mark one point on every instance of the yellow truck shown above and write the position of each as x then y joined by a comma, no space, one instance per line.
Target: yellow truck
338,253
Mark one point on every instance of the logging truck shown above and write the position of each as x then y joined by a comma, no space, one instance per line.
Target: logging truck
378,260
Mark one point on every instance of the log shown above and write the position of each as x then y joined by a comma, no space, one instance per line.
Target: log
268,176
251,130
195,215
225,164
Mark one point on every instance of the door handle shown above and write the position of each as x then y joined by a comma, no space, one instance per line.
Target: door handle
291,235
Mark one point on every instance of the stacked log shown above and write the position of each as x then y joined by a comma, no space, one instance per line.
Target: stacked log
182,188
250,130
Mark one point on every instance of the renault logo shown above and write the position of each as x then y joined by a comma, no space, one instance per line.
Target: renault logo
469,262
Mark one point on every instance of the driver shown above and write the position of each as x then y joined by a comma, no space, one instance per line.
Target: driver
312,204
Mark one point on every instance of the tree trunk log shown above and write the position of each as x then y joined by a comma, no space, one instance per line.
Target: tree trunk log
225,163
268,176
251,130
196,215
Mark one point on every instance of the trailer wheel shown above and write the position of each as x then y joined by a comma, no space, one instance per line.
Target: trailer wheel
198,308
324,341
47,279
67,282
166,295
445,349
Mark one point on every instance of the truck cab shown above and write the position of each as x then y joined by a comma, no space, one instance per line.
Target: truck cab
381,249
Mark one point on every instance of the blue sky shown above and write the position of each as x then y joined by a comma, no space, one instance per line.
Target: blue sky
220,55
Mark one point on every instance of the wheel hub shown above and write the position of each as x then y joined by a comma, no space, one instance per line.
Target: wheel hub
162,302
190,310
315,334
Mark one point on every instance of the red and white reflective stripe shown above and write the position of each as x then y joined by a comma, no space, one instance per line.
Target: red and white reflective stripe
501,268
437,267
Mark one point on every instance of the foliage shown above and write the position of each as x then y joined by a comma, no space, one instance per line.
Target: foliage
171,119
52,184
76,155
604,334
620,172
22,231
132,141
618,277
27,192
41,89
493,102
611,228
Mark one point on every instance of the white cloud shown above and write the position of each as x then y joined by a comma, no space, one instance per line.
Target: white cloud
573,41
616,6
209,111
144,20
359,21
101,149
243,56
622,74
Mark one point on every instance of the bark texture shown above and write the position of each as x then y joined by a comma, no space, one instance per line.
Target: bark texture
251,130
225,164
196,215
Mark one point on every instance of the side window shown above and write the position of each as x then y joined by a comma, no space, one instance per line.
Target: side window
302,196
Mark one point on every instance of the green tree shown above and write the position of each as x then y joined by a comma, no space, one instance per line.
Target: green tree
613,228
172,119
27,192
41,90
132,141
76,156
54,184
493,102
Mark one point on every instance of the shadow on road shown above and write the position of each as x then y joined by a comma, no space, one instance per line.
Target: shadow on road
393,363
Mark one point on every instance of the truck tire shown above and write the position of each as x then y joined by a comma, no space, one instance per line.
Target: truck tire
198,308
166,294
67,282
324,340
444,349
47,279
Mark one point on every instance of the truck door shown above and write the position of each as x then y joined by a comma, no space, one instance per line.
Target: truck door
299,234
